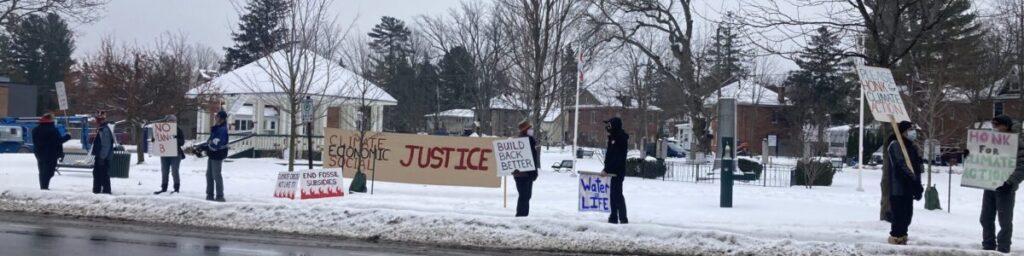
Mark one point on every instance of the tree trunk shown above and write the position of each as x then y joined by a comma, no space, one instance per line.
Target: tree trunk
137,133
292,133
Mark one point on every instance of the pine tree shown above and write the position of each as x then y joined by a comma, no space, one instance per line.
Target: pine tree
569,77
457,79
393,71
261,31
727,56
820,88
40,54
429,85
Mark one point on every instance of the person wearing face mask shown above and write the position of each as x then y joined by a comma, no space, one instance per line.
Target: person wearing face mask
615,163
906,183
1000,202
524,180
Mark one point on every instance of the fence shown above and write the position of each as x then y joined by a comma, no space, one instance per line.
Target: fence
269,145
771,176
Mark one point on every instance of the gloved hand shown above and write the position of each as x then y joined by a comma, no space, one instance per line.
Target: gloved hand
1005,188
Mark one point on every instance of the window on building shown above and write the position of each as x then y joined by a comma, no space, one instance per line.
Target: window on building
242,125
997,108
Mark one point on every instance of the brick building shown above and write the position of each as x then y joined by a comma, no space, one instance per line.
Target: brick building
759,113
967,110
594,109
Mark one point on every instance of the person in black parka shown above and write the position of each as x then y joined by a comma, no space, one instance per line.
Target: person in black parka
999,203
615,163
906,183
524,180
48,146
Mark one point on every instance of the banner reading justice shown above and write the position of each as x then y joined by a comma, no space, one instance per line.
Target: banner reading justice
417,159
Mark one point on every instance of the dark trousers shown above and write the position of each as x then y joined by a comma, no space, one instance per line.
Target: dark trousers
525,187
101,177
997,204
170,165
618,201
47,167
902,214
214,181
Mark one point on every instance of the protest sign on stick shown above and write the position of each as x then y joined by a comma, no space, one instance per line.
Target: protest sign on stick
514,154
993,158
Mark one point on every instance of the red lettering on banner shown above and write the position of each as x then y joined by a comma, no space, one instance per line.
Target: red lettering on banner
442,158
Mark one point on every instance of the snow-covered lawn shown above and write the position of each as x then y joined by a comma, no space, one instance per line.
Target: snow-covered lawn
666,217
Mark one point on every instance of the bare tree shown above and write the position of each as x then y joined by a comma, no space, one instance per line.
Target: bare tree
636,84
83,11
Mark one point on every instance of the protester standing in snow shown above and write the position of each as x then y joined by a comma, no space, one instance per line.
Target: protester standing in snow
906,183
48,146
171,165
1000,202
103,150
524,180
615,163
217,146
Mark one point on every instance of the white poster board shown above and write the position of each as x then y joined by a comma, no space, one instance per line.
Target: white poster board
882,94
62,96
993,158
773,140
595,193
287,184
321,183
164,142
513,154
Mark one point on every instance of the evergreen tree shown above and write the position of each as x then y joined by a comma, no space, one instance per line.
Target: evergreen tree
569,77
726,59
393,71
429,87
821,88
261,31
457,79
40,54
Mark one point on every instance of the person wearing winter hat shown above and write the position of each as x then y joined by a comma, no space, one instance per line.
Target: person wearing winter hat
615,163
48,148
1001,201
905,185
169,166
102,149
524,180
217,146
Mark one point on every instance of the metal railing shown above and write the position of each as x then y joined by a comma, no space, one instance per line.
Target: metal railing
771,176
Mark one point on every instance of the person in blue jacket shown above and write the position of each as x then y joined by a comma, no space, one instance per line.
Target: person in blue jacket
906,182
102,149
615,163
217,146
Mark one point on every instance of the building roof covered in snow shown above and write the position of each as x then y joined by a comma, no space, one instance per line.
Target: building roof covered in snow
327,78
463,113
510,102
746,92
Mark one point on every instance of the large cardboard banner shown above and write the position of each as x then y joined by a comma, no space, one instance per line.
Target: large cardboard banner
287,183
595,193
993,158
321,183
416,159
882,94
164,142
514,154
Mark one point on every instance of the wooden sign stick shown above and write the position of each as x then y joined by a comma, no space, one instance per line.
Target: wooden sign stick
903,147
504,203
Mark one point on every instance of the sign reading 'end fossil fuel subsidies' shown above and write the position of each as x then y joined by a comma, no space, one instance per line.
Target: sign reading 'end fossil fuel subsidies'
993,158
595,193
416,159
514,154
882,94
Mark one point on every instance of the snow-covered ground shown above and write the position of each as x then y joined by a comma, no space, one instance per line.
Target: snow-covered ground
666,217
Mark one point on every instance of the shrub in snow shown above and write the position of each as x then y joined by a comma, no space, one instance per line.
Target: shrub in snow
752,168
637,167
813,173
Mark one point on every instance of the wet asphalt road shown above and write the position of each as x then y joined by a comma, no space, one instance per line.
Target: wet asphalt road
22,234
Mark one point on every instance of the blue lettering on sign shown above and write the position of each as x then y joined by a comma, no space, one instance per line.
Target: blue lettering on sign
594,194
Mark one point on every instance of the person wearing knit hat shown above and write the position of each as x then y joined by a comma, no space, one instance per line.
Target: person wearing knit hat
524,180
170,165
217,146
999,203
102,149
615,163
905,184
48,148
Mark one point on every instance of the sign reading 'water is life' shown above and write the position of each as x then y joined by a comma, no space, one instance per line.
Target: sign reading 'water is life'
595,193
993,158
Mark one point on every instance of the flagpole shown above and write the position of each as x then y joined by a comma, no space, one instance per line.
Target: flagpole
860,144
576,114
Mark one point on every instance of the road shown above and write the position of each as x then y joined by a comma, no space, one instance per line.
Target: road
22,234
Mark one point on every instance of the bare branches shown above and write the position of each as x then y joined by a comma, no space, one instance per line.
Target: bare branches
82,11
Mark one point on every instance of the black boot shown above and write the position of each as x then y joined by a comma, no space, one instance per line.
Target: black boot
160,192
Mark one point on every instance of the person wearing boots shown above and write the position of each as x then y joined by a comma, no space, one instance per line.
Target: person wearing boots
48,148
524,180
1001,201
103,150
615,163
906,183
169,166
217,146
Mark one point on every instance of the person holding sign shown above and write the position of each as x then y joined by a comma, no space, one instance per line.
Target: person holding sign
171,164
524,180
1000,202
906,183
49,147
615,164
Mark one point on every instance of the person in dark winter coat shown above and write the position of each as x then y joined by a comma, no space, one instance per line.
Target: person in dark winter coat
524,180
103,150
48,146
1001,201
217,146
615,163
906,183
171,165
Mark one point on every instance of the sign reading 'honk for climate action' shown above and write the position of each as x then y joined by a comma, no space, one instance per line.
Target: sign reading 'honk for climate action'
993,158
